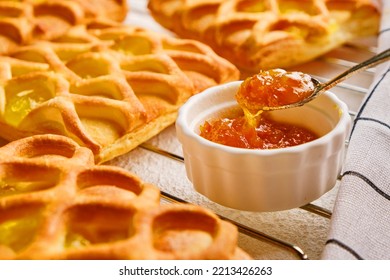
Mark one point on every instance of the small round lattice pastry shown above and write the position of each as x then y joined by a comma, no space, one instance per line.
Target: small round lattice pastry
55,203
266,34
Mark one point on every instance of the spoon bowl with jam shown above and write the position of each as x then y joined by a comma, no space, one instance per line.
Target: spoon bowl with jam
278,89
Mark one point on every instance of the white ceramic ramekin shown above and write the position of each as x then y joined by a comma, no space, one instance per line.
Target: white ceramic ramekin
263,180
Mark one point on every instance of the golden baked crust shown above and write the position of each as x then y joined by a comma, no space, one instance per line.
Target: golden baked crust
111,9
108,87
24,21
265,34
55,203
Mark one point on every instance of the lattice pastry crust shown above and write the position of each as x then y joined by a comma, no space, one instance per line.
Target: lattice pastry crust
265,34
109,87
55,203
24,21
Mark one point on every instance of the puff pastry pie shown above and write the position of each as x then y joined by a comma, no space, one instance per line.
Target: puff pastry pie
109,87
55,203
264,34
24,21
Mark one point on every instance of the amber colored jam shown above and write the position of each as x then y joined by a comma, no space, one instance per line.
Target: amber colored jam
271,88
255,129
268,134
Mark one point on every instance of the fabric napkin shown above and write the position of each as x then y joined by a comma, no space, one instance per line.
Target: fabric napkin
360,224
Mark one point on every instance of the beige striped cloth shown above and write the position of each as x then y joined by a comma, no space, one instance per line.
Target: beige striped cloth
360,225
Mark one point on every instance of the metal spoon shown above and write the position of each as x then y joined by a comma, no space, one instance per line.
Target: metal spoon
321,87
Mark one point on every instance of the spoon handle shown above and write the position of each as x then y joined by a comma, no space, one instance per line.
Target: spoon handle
375,60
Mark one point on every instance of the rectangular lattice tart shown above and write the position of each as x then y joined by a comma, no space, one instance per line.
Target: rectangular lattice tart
266,34
55,203
24,21
107,86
